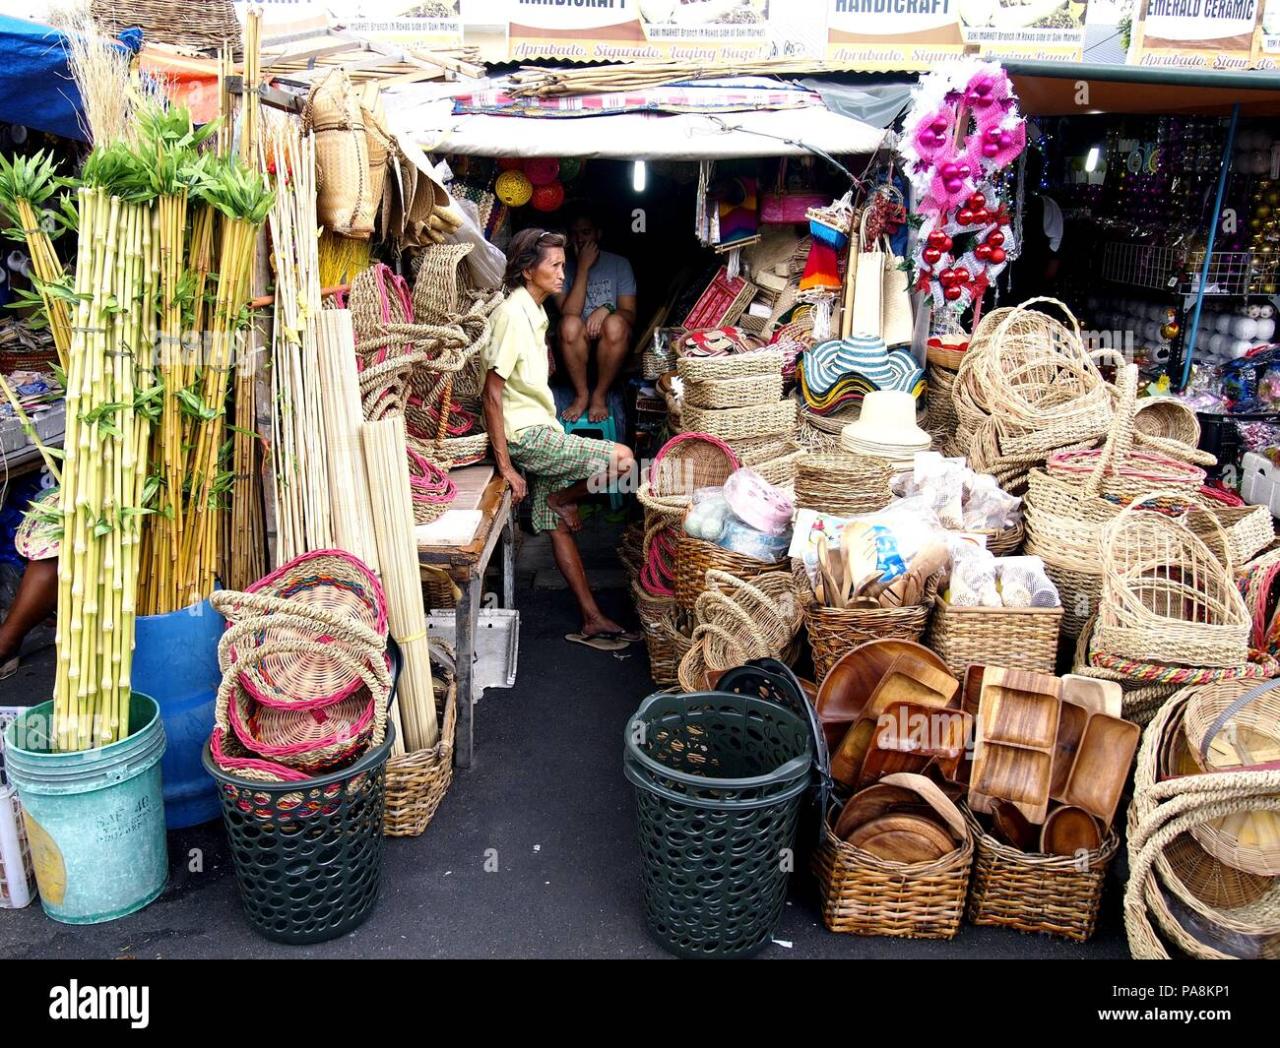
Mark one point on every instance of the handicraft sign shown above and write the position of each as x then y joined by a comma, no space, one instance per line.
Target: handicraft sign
893,34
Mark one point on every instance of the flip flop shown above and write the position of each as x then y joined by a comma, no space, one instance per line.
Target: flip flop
9,668
600,641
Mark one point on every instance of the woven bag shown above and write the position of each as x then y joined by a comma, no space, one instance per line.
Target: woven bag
344,192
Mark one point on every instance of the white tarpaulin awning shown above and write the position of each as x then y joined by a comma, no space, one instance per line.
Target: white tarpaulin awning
634,136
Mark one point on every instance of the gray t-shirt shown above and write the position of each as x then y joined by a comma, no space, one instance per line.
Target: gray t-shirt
610,278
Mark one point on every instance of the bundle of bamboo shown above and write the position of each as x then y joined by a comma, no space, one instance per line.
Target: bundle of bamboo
387,461
300,476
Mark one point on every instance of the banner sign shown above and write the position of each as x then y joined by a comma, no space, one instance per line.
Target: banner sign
435,24
1037,30
1196,34
1267,54
640,30
884,35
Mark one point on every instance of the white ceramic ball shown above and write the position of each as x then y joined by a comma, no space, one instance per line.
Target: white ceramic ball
1266,311
1217,343
1266,329
1222,323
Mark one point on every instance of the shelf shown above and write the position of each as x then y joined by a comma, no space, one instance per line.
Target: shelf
1162,268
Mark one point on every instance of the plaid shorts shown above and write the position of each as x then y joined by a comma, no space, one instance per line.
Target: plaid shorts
555,459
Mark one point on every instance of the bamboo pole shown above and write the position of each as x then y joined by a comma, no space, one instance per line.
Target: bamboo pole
386,458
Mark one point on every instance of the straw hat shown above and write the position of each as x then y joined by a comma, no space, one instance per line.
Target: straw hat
887,427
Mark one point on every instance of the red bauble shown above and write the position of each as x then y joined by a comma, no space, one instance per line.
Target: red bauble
965,217
982,252
947,277
932,255
938,239
982,217
952,293
947,244
996,239
977,201
963,276
997,256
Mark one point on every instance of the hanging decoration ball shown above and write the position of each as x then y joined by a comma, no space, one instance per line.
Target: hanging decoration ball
513,188
549,197
570,168
1170,331
1273,198
542,170
510,163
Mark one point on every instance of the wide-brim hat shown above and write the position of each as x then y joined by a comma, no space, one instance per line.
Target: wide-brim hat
888,421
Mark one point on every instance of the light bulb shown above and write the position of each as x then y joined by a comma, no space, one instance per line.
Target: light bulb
639,176
1091,161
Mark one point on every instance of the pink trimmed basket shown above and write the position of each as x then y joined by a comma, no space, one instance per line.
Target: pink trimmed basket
689,461
433,490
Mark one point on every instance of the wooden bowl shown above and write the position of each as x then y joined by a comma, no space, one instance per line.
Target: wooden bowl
871,803
1012,827
1069,830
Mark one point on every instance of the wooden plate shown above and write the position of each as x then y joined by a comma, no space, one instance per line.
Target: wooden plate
844,692
871,803
1069,830
903,838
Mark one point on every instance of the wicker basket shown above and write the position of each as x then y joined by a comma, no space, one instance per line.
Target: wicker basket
942,421
1015,638
844,485
1217,924
689,461
762,420
780,469
695,557
1037,893
1168,419
1165,595
1248,530
835,631
417,782
207,25
734,392
1007,541
734,366
864,895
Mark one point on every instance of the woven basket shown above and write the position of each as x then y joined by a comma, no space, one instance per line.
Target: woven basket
835,631
1168,419
733,366
417,782
1219,924
942,420
1165,596
1037,893
207,25
762,420
844,485
463,451
689,461
780,469
944,359
344,190
1006,542
1248,531
864,895
695,557
734,392
438,590
1014,638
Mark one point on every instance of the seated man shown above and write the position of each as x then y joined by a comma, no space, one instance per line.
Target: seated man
597,306
520,415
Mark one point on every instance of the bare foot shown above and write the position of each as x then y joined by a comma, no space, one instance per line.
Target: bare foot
599,411
566,511
603,624
575,409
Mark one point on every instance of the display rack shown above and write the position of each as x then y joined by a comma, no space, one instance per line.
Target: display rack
1177,271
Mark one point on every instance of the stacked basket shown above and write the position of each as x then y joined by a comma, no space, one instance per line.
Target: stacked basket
736,398
306,674
1204,824
684,464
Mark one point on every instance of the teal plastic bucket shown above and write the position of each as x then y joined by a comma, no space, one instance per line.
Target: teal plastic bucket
175,661
95,818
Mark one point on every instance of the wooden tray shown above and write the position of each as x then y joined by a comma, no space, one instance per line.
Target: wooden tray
907,737
1071,726
1017,730
903,838
1101,767
1096,696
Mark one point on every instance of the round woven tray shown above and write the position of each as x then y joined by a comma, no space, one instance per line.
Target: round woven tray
842,484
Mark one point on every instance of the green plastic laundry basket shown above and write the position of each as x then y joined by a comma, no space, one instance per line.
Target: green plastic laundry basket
719,781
